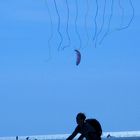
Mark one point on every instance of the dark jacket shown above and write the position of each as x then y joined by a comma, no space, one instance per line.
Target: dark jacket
86,130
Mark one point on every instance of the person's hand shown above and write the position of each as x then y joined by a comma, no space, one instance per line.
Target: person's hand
80,138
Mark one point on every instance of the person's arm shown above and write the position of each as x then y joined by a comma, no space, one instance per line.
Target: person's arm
75,132
81,137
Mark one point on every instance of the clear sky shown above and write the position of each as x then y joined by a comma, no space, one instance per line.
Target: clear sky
41,88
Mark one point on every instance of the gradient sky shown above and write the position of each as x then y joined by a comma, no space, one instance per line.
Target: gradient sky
41,96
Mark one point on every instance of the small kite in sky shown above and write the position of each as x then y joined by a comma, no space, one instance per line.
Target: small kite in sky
78,57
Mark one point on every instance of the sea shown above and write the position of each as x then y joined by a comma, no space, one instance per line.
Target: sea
123,135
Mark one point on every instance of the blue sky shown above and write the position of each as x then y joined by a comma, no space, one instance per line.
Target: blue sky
42,96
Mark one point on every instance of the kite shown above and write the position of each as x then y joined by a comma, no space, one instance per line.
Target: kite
74,22
78,57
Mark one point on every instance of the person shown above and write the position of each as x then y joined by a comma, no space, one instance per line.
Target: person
27,138
86,129
108,136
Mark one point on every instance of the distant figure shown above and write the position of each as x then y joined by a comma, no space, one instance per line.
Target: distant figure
108,136
88,128
16,137
27,138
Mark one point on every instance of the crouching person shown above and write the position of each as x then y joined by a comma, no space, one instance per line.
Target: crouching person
88,128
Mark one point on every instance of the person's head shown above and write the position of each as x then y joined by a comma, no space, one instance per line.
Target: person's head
80,118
